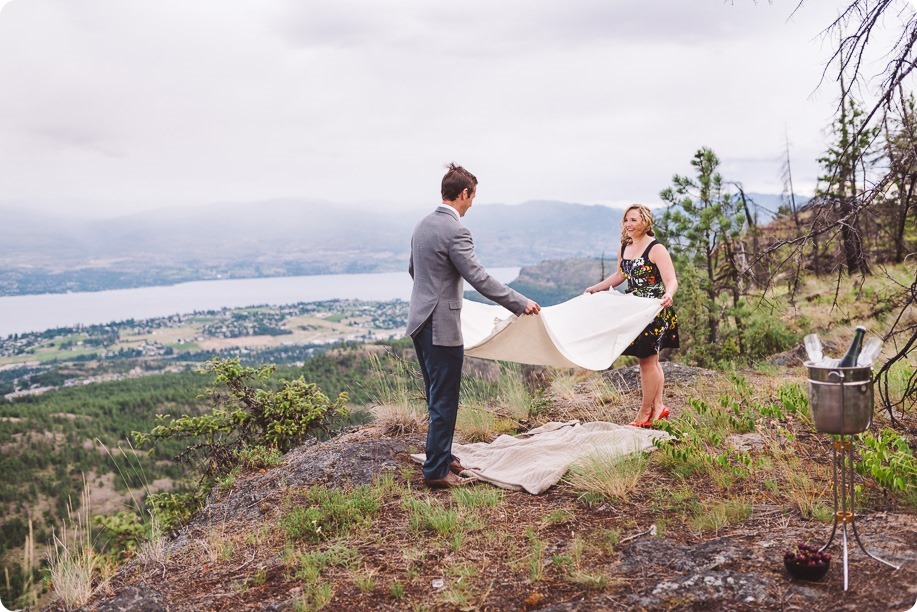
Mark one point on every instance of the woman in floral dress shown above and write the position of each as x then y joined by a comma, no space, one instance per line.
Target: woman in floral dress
647,267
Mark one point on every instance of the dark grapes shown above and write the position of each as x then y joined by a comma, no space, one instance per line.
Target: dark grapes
806,554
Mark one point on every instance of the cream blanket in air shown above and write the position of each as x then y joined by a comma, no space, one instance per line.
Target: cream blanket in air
590,331
538,459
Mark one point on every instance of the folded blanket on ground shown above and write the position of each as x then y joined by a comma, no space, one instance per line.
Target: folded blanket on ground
538,459
589,331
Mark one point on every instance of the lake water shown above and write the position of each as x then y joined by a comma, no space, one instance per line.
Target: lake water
32,313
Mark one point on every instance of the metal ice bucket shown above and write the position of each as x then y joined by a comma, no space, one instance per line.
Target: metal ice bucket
840,399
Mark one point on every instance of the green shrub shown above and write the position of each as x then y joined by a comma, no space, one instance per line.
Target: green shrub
888,458
250,411
765,335
172,510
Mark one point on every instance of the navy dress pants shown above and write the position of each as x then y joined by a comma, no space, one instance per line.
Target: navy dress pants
442,377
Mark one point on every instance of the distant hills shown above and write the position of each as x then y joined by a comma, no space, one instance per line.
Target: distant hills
556,280
40,253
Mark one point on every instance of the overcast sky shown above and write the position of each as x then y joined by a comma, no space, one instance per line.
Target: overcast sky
121,105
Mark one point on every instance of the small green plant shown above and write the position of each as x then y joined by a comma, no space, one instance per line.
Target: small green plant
314,597
535,556
478,423
803,493
123,533
888,458
226,482
596,582
397,590
684,455
794,399
564,384
609,538
365,581
174,509
390,385
558,517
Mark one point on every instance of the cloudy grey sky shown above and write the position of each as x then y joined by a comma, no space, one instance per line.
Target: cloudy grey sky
113,106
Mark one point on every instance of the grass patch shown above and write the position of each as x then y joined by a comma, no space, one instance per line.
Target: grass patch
721,514
258,457
428,516
331,513
609,476
314,597
310,564
478,497
459,579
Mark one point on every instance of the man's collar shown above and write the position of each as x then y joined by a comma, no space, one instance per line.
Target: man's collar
450,209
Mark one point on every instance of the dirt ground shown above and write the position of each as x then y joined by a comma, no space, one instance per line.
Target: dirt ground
523,554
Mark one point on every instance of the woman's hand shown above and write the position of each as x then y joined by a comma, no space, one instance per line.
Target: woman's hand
666,300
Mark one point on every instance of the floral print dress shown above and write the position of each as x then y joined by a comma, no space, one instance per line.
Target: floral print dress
644,280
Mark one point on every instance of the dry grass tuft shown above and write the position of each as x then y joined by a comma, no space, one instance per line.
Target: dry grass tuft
399,419
607,475
479,424
72,563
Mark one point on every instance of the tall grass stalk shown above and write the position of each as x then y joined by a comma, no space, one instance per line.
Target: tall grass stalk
72,563
478,424
153,548
514,398
564,384
29,597
398,408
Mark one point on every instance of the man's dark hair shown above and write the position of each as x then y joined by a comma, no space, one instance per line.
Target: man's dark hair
456,180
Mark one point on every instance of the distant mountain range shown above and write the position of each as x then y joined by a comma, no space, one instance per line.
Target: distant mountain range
45,254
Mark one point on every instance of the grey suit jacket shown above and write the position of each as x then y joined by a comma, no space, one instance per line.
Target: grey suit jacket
442,254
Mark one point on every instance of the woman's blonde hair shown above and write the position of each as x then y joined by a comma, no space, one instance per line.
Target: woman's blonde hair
645,214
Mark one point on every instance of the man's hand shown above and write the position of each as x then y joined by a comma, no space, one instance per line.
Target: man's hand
532,308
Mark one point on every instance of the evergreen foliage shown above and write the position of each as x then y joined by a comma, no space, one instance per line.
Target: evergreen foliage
246,413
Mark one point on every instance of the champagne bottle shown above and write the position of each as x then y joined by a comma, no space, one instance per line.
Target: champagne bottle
849,359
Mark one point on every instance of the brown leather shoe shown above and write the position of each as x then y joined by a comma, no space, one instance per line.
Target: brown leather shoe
450,480
457,468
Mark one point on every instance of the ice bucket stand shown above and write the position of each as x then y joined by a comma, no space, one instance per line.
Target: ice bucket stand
841,403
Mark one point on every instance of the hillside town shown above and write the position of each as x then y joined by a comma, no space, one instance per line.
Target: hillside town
33,363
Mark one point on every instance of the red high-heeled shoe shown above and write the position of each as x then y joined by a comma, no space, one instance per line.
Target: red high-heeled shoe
644,424
663,414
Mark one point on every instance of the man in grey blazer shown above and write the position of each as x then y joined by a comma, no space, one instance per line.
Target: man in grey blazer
442,254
